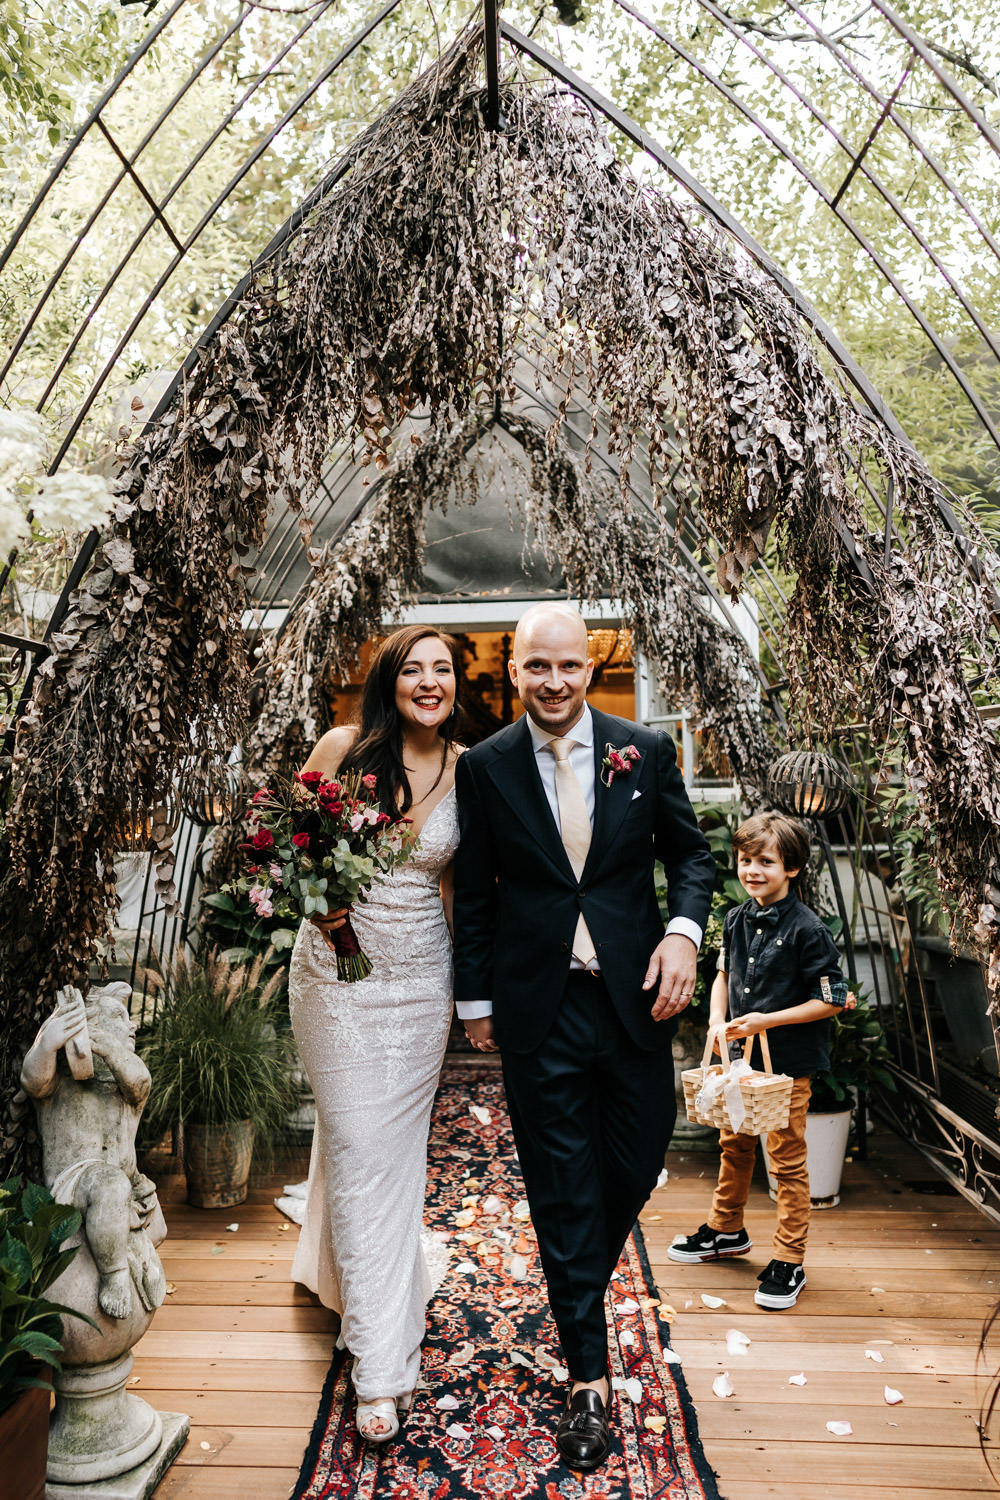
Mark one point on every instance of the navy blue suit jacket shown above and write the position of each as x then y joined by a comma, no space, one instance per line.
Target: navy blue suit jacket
517,899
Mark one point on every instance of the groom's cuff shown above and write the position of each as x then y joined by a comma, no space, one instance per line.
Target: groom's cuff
686,928
473,1010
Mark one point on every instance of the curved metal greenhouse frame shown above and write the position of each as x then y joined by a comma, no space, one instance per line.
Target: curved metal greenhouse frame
122,268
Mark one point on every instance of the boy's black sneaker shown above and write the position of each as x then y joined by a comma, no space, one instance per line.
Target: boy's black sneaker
710,1244
780,1284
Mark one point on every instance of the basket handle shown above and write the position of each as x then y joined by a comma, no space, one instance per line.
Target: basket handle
720,1032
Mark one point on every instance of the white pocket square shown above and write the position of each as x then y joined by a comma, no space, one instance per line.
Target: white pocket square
636,794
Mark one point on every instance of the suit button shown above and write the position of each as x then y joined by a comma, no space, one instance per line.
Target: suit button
564,947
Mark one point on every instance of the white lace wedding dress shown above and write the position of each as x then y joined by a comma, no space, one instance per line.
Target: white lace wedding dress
373,1052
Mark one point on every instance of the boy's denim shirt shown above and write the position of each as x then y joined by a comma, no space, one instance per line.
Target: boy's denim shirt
776,957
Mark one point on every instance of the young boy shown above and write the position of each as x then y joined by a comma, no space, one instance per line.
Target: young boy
779,972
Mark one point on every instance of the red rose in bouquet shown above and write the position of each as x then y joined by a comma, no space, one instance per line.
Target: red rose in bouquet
314,846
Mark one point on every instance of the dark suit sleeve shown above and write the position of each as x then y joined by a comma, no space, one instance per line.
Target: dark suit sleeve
475,891
678,842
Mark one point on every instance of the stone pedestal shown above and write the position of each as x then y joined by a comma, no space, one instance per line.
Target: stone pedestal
97,1426
137,1483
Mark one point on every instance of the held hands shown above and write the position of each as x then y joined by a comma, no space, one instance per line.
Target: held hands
673,967
480,1034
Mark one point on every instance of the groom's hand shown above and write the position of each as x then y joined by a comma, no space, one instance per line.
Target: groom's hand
673,967
480,1034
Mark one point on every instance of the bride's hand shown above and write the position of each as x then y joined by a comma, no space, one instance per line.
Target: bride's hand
328,923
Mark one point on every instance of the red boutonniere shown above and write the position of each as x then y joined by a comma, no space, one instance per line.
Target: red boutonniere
618,762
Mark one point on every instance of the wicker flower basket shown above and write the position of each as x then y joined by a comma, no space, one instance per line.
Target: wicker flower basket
766,1096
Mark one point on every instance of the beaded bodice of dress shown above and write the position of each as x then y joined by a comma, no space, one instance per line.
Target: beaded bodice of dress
401,926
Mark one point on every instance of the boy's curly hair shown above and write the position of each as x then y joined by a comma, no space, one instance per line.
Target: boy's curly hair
788,834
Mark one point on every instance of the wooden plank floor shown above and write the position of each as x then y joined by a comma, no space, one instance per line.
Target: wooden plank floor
903,1266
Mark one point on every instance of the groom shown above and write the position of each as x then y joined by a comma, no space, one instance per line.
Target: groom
562,963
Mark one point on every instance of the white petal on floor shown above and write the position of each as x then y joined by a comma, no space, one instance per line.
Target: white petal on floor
892,1398
796,1380
873,1354
626,1338
736,1342
493,1205
627,1305
292,1207
722,1386
457,1431
447,1403
670,1356
480,1113
516,1358
497,1433
710,1301
518,1268
663,1178
840,1429
521,1212
232,1228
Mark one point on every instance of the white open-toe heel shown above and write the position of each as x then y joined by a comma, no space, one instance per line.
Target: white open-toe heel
377,1420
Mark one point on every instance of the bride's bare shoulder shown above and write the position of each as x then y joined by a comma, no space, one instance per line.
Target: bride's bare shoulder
330,749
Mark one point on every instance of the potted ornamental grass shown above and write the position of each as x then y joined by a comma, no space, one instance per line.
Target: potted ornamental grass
859,1058
33,1253
222,1061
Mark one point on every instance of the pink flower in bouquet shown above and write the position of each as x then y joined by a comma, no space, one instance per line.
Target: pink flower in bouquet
357,821
260,899
370,781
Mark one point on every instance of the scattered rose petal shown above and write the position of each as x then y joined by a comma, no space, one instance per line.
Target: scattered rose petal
284,1228
170,1287
710,1301
218,1249
522,1244
465,1217
521,1211
560,1373
722,1386
688,1302
518,1268
796,1380
736,1342
653,1219
892,1398
470,1201
670,1356
840,1429
663,1178
510,1302
206,1447
626,1338
517,1358
633,1390
480,1113
135,1380
464,1266
666,1313
493,1205
879,1291
647,1302
232,1228
456,1430
447,1403
544,1357
655,1424
627,1305
497,1433
873,1354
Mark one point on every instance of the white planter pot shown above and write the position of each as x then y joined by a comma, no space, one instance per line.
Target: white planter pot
826,1146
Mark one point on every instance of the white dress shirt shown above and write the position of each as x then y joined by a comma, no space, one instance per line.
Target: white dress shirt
581,758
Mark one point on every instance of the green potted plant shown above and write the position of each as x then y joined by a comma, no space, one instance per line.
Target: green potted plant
222,1061
33,1232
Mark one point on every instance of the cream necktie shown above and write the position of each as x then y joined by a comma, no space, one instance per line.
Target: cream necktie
574,824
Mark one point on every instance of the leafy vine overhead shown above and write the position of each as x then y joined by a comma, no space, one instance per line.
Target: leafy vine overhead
441,251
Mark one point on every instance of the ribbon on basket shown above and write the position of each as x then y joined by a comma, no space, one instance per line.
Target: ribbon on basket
727,1083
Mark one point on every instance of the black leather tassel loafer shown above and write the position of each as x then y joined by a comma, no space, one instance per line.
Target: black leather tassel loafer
582,1434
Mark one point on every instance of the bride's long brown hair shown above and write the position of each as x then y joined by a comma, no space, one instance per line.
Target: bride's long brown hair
378,748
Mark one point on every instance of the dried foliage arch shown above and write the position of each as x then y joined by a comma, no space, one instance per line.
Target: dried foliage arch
412,285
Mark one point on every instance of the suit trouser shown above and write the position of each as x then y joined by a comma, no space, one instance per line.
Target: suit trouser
786,1151
592,1115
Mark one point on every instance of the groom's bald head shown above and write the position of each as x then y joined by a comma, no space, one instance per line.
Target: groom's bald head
550,665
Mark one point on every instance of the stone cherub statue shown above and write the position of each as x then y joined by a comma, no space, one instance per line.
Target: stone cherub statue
88,1113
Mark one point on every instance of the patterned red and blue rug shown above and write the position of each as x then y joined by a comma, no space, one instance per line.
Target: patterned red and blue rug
484,1417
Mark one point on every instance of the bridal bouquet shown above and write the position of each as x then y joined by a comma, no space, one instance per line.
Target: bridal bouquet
314,846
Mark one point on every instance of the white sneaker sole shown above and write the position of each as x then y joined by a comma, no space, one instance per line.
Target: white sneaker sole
696,1258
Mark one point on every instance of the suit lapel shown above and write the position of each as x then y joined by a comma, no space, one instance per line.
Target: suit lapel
610,802
514,773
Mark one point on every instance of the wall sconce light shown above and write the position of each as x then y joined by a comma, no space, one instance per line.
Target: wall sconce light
810,784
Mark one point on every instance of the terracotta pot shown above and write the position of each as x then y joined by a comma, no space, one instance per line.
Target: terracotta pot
217,1163
24,1445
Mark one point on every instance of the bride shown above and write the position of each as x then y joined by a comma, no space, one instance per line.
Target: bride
373,1049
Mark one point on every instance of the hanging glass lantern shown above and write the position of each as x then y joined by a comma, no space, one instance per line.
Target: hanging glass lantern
210,800
139,833
810,784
